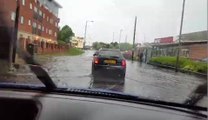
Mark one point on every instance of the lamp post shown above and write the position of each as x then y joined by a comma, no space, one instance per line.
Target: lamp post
85,33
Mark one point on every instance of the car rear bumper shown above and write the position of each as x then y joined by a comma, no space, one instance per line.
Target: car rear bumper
106,70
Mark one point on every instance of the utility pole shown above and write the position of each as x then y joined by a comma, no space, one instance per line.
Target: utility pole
180,36
13,42
120,38
85,33
134,36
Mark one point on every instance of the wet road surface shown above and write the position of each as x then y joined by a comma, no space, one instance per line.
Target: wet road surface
141,79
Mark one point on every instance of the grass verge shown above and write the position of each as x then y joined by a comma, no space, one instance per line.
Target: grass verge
74,51
184,63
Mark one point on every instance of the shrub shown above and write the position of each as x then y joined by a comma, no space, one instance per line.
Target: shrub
184,63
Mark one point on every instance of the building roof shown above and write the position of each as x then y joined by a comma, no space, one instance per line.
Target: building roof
183,42
200,35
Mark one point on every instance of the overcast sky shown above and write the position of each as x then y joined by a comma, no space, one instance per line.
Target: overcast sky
156,18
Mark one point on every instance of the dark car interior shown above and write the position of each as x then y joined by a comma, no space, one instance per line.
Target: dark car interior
35,105
18,109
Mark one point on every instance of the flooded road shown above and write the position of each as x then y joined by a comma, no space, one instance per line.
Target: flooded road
141,79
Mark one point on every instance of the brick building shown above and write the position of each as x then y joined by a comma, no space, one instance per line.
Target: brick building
38,23
195,50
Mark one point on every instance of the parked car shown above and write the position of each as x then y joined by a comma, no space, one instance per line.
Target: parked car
109,62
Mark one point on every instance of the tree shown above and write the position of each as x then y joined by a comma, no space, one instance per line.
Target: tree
125,46
65,34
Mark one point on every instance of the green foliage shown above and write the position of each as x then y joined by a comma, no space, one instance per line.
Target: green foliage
61,42
125,46
65,34
184,63
112,45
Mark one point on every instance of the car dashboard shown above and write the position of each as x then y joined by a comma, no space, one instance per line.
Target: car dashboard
33,105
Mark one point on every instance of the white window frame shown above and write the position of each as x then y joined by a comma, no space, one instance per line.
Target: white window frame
22,20
23,2
40,13
50,31
55,34
34,24
29,22
31,6
43,15
35,9
39,27
51,21
43,28
13,15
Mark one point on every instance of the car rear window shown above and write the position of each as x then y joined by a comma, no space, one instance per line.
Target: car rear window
110,53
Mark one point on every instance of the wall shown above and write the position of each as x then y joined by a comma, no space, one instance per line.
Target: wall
198,51
195,51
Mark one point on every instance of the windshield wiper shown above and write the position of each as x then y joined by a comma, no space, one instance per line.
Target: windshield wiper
40,73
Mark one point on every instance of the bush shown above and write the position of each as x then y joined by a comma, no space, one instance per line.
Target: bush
184,63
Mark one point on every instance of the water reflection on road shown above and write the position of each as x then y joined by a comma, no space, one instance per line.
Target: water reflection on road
141,79
107,83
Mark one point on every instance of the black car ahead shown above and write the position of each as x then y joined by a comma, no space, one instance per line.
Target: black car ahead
109,62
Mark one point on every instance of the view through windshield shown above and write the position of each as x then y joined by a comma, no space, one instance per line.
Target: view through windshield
155,49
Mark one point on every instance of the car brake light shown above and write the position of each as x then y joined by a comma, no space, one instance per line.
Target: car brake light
96,60
123,63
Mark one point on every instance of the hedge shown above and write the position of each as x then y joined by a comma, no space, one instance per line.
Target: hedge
184,63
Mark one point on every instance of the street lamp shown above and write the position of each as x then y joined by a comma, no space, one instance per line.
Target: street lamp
85,33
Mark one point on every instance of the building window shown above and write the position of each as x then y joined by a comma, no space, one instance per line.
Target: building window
34,25
13,15
21,19
46,30
55,34
35,1
50,32
29,22
39,27
23,2
36,9
51,21
31,6
40,13
42,28
47,18
43,15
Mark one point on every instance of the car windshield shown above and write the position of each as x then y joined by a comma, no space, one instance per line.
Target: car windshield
157,48
110,53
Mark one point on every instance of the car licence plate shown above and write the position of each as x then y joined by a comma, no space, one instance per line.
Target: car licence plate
110,61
